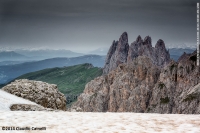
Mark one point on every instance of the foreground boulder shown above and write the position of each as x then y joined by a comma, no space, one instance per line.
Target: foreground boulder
44,94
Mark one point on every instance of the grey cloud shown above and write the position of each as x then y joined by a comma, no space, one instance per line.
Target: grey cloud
95,23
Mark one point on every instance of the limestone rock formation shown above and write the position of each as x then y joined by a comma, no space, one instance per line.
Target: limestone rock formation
117,53
159,55
143,86
142,78
120,52
127,88
44,94
162,55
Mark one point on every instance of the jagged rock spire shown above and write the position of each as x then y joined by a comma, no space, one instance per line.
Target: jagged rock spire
147,40
139,39
124,37
162,54
120,52
160,43
117,53
111,51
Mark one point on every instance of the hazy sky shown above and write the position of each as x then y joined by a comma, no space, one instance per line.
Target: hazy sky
84,25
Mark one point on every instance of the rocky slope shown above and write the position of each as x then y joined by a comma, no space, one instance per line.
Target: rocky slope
120,52
44,94
141,85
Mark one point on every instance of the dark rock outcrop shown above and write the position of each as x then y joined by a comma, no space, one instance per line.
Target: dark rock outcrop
120,52
44,94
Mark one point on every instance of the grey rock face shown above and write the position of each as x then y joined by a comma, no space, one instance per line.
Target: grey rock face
162,55
144,80
44,94
125,89
108,61
117,53
120,52
159,55
147,41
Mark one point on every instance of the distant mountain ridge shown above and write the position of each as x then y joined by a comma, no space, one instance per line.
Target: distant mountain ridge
99,51
48,53
9,72
11,56
33,55
24,55
3,63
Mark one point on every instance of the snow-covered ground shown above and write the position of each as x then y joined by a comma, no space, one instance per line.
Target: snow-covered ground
79,122
7,99
76,122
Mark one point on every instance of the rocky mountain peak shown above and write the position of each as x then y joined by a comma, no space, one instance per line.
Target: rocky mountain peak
147,40
117,53
162,54
160,43
139,39
111,51
124,37
121,52
141,78
141,86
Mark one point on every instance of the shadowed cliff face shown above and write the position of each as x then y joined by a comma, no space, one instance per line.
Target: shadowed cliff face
120,52
117,53
147,82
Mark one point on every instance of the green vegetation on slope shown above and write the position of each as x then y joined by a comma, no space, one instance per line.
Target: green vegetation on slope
70,80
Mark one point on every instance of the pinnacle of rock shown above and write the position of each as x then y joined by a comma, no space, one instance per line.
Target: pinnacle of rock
147,40
120,52
139,39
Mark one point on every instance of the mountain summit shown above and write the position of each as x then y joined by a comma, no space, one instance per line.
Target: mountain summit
120,52
141,78
143,87
117,53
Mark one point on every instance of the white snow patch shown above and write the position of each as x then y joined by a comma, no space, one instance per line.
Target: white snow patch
7,100
75,122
